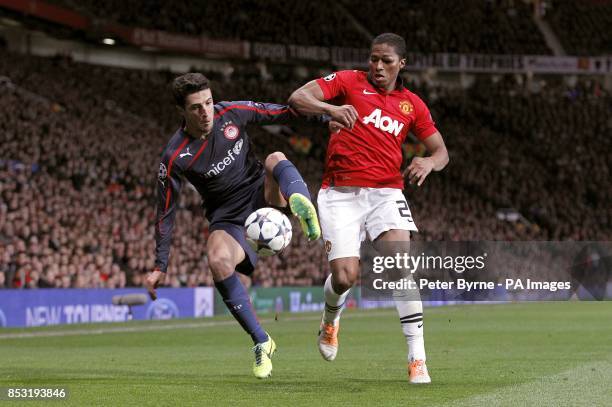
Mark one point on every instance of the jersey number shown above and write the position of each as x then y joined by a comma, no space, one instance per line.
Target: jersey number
404,211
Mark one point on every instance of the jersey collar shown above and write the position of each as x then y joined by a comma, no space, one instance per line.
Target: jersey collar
185,133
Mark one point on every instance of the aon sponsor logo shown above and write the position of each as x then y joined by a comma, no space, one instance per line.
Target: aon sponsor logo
385,123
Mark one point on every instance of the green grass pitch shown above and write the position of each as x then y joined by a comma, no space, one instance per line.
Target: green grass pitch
504,354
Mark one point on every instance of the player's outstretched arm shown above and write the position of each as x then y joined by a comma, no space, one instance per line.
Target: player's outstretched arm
309,100
420,167
169,184
263,113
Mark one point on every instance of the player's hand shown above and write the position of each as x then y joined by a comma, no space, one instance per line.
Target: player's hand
335,127
152,280
418,170
346,115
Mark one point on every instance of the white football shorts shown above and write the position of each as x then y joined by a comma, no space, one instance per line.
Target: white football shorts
350,214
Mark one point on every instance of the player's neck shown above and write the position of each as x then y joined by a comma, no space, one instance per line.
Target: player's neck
390,87
197,133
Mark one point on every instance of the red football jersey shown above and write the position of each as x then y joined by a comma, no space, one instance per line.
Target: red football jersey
370,155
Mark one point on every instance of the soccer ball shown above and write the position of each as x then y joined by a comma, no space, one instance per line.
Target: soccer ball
268,231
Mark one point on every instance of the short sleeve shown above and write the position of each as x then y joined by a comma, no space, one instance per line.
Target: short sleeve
335,84
424,125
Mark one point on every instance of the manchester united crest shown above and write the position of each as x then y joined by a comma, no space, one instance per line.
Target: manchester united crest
406,107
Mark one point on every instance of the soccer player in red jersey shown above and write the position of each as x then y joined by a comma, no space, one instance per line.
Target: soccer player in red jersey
362,184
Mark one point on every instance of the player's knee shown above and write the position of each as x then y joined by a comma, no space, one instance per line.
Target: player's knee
343,279
273,159
221,266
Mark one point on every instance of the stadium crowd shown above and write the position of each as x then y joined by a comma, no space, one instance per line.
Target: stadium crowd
80,150
252,20
477,26
582,26
447,26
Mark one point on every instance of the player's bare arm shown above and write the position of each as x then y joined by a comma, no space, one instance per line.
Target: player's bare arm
309,100
420,167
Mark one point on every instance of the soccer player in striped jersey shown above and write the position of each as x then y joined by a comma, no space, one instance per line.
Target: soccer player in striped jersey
362,184
212,151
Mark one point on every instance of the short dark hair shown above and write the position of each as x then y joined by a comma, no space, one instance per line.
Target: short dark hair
396,41
187,84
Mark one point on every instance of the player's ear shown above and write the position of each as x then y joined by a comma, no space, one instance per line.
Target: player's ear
180,110
402,63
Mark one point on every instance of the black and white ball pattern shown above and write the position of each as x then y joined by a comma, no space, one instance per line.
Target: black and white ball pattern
268,231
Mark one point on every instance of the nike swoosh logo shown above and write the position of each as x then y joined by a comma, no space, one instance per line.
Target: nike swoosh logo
365,92
420,325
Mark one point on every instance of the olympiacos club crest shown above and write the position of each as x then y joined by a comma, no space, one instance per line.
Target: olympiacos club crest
231,132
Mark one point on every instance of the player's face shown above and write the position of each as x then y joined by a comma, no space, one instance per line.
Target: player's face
198,112
385,65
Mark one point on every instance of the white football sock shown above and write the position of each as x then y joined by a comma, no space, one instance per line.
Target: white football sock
411,318
334,303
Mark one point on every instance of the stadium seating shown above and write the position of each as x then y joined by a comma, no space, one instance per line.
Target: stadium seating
474,26
447,26
583,26
253,20
81,146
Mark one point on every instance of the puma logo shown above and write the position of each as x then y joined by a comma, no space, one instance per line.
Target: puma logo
185,154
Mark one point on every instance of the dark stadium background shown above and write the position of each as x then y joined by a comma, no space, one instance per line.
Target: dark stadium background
519,90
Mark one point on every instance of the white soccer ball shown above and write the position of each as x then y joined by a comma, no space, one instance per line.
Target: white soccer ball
268,231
